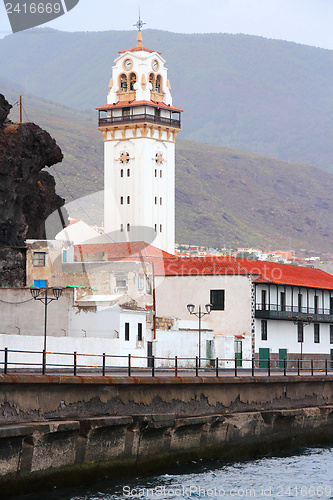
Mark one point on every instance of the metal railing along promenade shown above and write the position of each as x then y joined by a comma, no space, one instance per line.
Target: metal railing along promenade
46,362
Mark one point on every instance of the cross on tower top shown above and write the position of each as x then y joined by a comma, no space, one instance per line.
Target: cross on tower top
139,24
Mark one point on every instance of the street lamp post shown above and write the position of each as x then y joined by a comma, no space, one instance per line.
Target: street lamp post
301,323
199,314
42,295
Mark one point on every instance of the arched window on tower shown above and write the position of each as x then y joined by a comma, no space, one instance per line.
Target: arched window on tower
132,81
152,80
123,83
158,84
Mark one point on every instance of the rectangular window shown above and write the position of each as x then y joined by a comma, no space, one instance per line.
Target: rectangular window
331,306
316,335
140,282
121,282
139,332
283,301
300,331
263,300
264,329
299,302
127,331
148,284
316,304
39,259
331,334
126,111
217,300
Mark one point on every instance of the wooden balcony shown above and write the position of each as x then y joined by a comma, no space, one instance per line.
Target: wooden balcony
292,313
140,118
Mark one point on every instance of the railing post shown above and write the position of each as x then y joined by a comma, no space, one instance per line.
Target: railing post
217,366
285,366
253,366
312,367
129,365
5,366
103,367
196,366
75,363
298,365
235,366
44,362
326,366
269,367
153,366
176,366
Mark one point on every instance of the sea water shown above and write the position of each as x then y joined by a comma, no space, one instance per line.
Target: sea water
304,474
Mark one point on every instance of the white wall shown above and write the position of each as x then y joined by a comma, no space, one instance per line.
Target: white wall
283,335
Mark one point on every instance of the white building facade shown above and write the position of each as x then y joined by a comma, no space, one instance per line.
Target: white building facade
139,126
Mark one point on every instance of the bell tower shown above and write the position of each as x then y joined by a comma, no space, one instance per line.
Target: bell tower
139,126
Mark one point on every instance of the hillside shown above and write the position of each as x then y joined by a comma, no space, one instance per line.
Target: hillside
223,196
246,92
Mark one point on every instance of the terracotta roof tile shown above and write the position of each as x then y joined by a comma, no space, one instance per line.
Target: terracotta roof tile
137,48
286,274
126,104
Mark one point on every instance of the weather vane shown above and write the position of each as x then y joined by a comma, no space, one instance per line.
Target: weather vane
139,24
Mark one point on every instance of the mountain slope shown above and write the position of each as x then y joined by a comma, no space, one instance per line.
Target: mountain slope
223,196
266,96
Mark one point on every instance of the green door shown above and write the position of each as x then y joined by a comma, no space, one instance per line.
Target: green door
263,357
331,359
238,352
282,357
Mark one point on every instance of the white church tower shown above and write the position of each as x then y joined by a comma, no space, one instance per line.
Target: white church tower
139,126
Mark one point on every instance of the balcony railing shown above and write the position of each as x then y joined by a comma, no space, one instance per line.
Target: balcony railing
143,117
288,312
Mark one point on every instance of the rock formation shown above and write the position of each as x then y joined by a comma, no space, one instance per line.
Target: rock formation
27,193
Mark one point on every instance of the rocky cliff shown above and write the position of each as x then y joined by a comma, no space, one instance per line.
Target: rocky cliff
27,193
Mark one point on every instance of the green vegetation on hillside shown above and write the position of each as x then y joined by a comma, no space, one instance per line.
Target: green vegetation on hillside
223,196
266,96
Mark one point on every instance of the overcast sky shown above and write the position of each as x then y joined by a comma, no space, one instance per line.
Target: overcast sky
303,21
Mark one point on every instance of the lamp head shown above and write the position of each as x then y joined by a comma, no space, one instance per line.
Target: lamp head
57,291
190,308
208,308
35,291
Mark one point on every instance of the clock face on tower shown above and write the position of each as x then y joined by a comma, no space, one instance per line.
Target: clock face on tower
155,64
128,63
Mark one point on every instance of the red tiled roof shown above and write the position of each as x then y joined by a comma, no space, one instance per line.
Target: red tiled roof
115,251
286,274
126,104
166,264
204,266
137,48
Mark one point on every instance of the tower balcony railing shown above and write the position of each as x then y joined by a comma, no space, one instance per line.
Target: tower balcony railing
143,117
289,312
